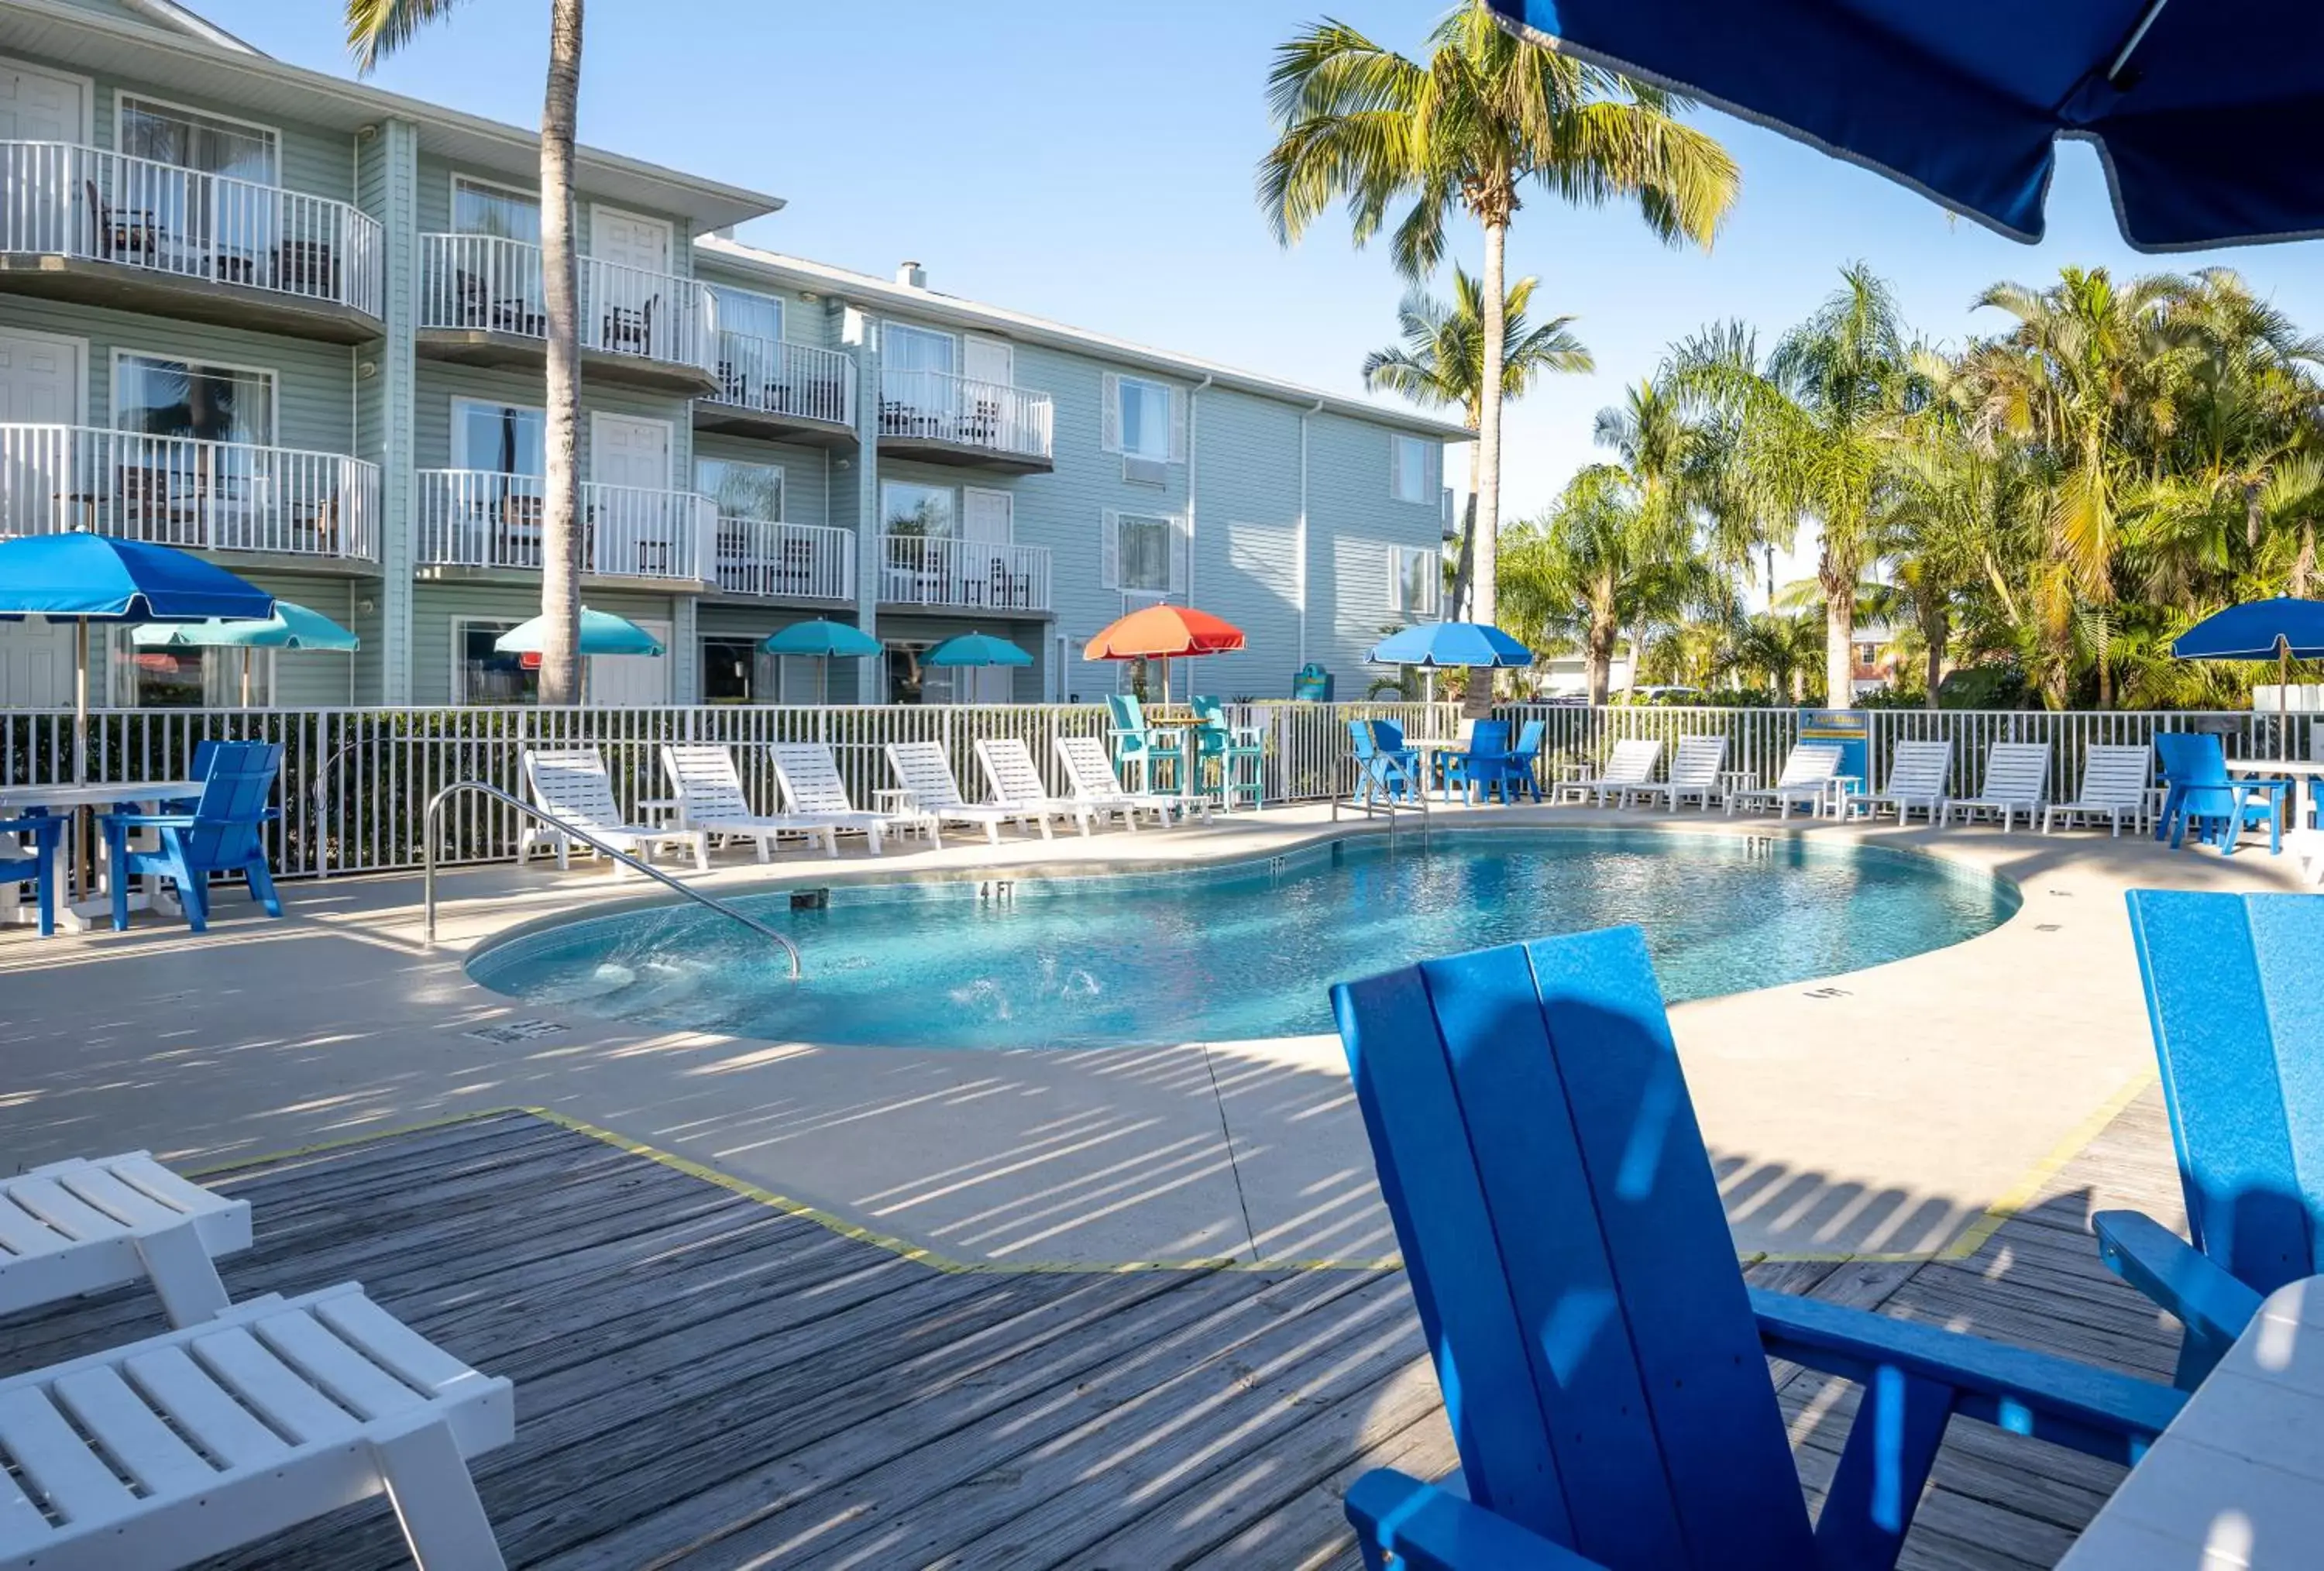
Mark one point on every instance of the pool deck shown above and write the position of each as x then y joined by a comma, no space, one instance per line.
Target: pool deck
1896,1113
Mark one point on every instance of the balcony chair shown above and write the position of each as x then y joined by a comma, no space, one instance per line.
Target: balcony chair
631,331
225,832
120,232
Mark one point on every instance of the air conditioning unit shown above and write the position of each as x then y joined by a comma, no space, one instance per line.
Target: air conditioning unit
1139,471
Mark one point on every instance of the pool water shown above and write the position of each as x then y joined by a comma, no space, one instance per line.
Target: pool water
1239,952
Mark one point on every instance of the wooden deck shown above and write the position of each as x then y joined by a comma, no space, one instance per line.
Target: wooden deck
704,1380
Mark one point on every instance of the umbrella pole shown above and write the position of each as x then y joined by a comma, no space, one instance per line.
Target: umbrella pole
80,703
245,678
2282,700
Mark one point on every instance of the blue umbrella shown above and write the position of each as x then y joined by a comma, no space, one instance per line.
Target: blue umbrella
2205,113
2283,630
291,627
602,633
93,578
1450,644
976,649
823,641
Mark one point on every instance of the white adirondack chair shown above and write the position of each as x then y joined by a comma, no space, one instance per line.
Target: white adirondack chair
1919,776
1017,782
812,788
1806,782
2016,781
710,798
924,772
1693,773
2116,780
572,789
186,1444
84,1224
1091,774
1632,765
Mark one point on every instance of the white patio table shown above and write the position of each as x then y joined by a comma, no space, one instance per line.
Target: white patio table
2237,1480
2302,772
78,908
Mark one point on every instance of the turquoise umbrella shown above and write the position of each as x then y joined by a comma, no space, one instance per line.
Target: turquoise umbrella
292,626
602,633
976,649
822,641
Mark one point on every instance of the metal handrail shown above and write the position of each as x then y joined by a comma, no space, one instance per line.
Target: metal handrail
428,864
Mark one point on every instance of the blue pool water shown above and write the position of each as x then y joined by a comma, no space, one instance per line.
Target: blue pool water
1230,954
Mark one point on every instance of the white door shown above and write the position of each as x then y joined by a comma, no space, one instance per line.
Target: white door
42,189
627,240
35,106
639,528
988,517
628,306
40,385
632,678
624,450
36,665
988,360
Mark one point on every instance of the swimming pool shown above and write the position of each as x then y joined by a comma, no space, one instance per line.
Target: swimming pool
1243,951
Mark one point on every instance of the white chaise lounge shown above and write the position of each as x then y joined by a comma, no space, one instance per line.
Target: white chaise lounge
1632,765
573,789
1693,773
813,787
85,1224
2016,781
2116,780
272,1413
710,798
1016,782
1919,773
924,772
1091,773
1806,782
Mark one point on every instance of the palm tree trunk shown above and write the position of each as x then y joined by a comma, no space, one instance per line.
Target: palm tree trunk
1838,640
1464,561
560,528
1484,534
1598,668
1936,632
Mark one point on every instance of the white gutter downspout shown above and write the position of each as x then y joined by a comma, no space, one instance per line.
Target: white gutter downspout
1193,404
1302,544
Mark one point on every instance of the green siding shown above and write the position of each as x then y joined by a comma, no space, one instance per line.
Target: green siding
438,604
436,176
439,382
805,321
316,678
806,471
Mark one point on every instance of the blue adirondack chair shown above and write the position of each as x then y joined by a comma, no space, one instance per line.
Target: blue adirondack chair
1385,766
1518,771
1600,1356
224,832
1477,765
2198,790
1142,753
2235,995
1241,752
39,856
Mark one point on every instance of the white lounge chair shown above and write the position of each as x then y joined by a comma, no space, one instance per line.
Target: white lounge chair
2016,781
572,789
710,798
1091,773
1632,765
1806,780
1919,773
924,772
812,788
1693,773
2116,780
1017,782
186,1444
84,1224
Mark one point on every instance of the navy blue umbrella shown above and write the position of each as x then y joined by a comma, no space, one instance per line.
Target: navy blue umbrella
2205,111
2283,630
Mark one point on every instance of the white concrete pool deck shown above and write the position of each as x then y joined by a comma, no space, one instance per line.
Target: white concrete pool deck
1882,1112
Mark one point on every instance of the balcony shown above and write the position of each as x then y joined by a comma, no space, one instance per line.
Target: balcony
482,302
181,491
964,575
940,418
482,520
793,392
84,224
784,561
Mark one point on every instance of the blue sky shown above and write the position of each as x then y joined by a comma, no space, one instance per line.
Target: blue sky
1092,163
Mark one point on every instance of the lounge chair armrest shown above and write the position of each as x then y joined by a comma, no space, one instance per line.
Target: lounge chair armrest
148,820
2095,1411
1430,1529
2175,1275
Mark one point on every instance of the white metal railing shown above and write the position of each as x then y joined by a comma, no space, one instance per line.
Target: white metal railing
182,491
478,518
58,199
935,406
969,574
485,283
803,560
786,379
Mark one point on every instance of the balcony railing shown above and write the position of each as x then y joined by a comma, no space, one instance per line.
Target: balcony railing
972,574
935,406
483,283
61,199
182,491
478,518
795,379
795,561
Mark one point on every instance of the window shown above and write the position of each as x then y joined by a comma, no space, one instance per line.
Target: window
482,674
730,669
925,512
486,210
1144,554
903,348
192,141
500,438
1141,419
189,679
753,315
1408,468
752,491
1415,578
183,398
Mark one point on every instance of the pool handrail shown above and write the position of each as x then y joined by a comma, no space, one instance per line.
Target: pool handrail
435,817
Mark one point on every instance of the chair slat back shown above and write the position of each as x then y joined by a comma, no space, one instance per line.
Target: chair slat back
810,777
1359,735
1087,767
1010,769
926,773
1529,738
1809,764
1920,770
231,811
1490,736
1633,763
706,780
1562,1234
2192,759
2116,775
1698,761
2017,772
1130,735
573,788
1387,735
2237,1000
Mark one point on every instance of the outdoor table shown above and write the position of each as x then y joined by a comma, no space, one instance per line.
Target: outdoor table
902,806
79,910
1427,748
2302,772
1837,792
1731,781
2238,1477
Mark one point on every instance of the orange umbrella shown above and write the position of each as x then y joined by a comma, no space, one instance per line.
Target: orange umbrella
1164,633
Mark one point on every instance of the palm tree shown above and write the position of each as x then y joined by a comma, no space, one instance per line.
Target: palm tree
1441,364
378,28
1779,648
1489,118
